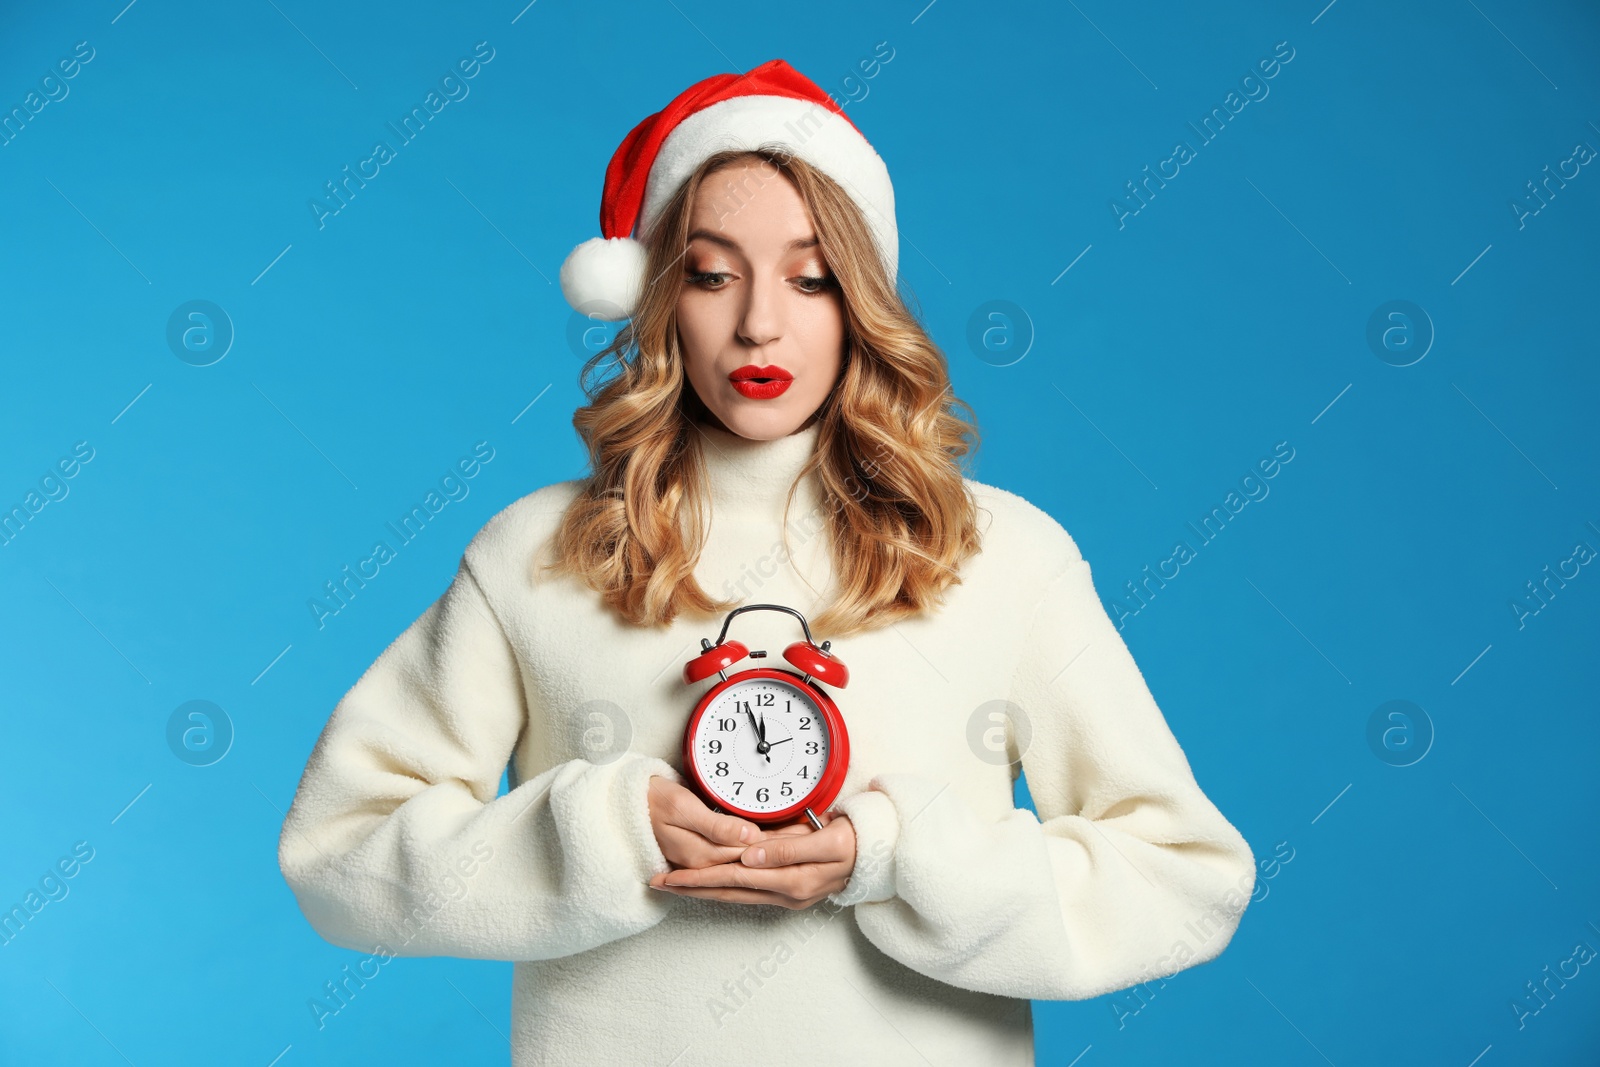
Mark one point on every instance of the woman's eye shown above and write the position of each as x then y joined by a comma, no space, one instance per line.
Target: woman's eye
809,284
812,284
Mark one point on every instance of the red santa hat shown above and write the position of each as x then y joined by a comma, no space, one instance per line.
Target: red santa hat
773,103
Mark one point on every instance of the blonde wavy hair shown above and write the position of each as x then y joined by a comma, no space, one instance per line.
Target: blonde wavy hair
900,517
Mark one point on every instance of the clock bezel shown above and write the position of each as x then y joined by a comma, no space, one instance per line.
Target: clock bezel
829,781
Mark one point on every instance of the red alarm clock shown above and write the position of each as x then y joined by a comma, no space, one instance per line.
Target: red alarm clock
765,743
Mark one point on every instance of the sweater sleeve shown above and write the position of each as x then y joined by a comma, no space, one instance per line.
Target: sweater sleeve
397,841
1127,873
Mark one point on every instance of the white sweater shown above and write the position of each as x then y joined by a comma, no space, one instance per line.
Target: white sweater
962,906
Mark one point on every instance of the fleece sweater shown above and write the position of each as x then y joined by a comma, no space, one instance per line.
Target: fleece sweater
962,907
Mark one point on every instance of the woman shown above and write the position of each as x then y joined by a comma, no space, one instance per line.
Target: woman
917,921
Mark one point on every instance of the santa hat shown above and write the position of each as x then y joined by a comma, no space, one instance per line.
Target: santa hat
604,276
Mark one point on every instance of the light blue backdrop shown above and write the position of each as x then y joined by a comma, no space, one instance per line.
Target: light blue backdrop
1145,359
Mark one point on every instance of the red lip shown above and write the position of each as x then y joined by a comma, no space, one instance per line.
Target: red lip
761,383
756,371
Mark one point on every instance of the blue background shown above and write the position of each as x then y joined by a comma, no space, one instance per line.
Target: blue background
1230,313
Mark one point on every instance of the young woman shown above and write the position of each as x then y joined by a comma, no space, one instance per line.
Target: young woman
776,428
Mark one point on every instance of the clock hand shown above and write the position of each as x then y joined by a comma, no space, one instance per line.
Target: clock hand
765,746
761,733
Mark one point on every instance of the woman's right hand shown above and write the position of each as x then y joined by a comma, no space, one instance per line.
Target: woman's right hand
691,834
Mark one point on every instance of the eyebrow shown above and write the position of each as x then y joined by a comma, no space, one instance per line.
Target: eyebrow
798,242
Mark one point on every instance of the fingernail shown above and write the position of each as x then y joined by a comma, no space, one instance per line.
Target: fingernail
748,834
659,888
757,856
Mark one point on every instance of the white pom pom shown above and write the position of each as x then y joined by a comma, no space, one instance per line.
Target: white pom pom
603,276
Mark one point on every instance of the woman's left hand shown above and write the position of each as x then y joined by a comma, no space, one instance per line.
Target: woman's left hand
792,866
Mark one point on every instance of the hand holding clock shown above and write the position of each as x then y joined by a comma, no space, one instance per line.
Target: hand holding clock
724,857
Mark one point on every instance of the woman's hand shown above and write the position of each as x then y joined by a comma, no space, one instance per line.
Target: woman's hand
792,866
691,834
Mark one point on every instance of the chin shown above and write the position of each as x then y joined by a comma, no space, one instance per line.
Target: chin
761,420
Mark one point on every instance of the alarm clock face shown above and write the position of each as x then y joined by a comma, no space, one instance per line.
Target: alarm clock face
742,772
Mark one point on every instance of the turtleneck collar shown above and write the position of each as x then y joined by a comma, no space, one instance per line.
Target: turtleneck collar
753,477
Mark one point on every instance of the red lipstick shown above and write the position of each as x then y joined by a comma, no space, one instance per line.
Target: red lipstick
761,383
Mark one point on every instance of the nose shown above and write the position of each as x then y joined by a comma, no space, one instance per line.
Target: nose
761,322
